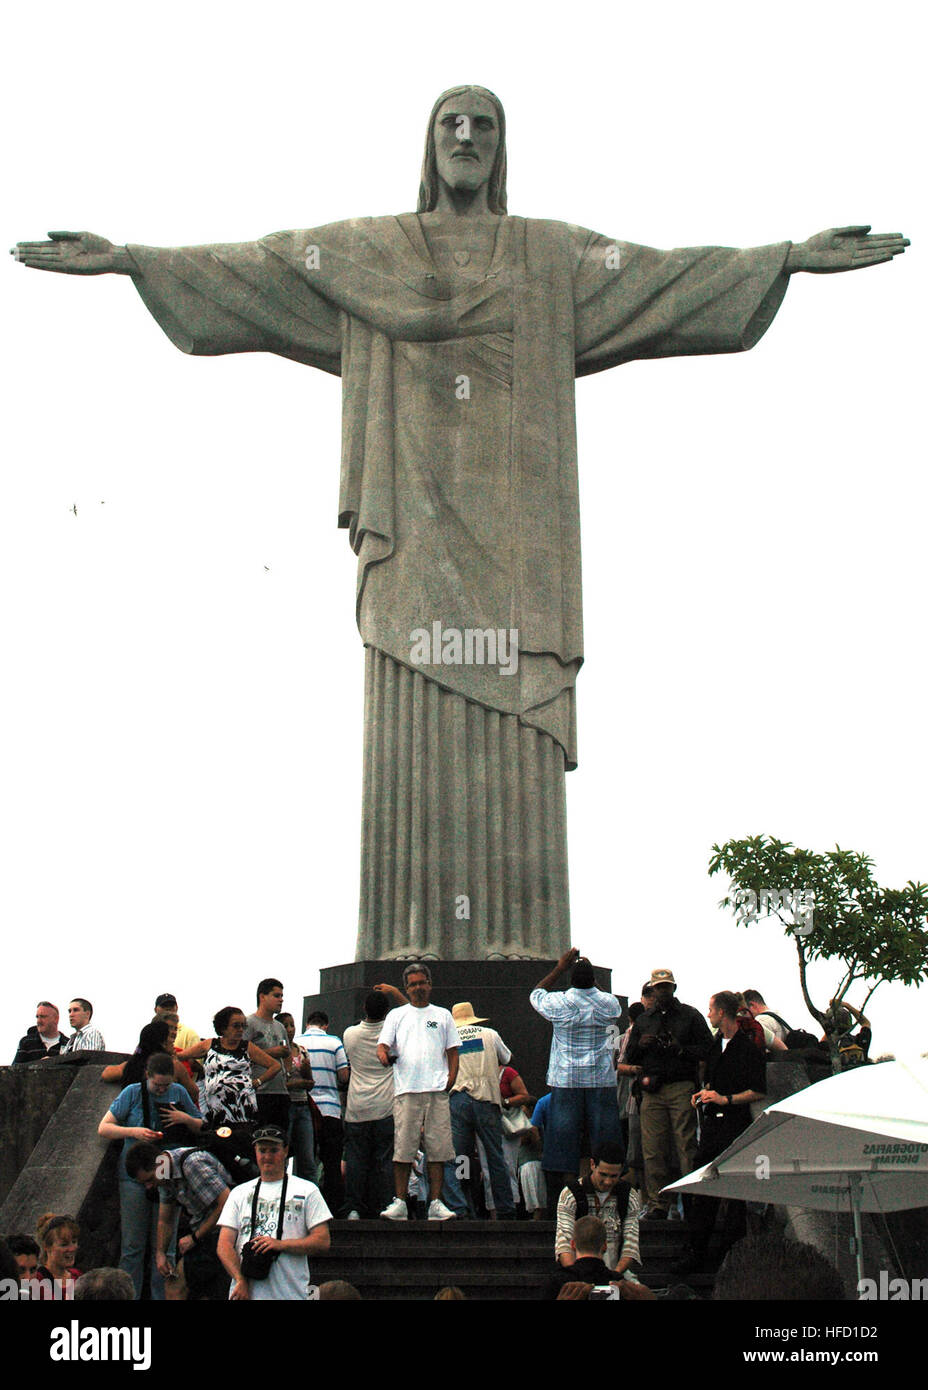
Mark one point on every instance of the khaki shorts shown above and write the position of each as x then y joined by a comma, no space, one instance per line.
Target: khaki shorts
415,1110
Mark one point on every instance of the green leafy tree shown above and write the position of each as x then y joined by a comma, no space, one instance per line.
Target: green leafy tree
834,910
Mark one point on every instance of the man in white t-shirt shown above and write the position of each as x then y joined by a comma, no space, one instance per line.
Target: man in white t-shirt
305,1224
420,1041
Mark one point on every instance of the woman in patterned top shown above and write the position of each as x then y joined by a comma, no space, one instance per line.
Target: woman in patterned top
227,1093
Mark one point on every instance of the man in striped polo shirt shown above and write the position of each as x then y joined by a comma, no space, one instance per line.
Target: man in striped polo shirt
329,1062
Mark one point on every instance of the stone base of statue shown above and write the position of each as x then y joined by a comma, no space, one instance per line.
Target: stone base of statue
498,990
463,825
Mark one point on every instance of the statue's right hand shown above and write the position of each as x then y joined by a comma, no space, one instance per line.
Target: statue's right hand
70,253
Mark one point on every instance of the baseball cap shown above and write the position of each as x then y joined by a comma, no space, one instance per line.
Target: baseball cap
271,1134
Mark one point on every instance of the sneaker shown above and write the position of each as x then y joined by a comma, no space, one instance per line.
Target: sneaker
353,1216
396,1211
439,1212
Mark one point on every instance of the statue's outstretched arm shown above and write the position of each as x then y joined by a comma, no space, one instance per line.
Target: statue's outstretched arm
844,248
248,296
75,253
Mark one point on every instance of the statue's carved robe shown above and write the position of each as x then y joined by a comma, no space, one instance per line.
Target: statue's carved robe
459,490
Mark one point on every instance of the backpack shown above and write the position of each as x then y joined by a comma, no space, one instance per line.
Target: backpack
232,1146
850,1051
199,1148
752,1029
776,1017
622,1192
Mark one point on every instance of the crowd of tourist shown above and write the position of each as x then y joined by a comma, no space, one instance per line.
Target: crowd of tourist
237,1150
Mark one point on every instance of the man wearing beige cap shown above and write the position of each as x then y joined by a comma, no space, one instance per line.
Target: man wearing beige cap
475,1113
668,1045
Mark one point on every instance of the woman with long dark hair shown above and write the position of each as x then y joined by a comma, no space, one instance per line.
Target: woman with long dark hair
153,1039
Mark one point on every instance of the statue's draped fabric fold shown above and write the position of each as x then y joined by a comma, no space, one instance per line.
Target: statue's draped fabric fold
459,480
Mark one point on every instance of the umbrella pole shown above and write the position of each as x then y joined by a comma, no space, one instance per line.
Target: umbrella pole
857,1241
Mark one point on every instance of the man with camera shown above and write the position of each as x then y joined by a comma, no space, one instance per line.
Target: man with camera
580,1071
588,1248
667,1047
269,1226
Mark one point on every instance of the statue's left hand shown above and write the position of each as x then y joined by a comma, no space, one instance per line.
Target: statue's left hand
845,248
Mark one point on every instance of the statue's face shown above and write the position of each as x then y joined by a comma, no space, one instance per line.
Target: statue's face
466,140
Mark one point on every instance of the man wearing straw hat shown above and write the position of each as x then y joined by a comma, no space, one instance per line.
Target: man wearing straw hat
475,1112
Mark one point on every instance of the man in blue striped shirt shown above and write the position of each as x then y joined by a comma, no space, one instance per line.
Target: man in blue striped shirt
580,1070
329,1062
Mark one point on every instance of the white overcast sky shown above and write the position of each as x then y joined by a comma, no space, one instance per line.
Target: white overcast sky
753,526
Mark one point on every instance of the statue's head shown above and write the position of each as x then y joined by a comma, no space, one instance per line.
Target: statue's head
465,146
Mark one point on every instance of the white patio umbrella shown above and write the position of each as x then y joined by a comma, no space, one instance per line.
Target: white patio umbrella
854,1142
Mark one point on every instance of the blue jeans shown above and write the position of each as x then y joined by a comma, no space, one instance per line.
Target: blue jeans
302,1142
571,1108
139,1226
470,1118
368,1165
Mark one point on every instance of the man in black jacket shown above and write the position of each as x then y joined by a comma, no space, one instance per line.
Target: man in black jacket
668,1043
736,1075
589,1247
44,1040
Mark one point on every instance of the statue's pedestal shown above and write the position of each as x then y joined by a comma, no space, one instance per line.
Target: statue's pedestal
498,990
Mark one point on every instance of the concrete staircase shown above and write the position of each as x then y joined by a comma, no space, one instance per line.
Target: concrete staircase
509,1260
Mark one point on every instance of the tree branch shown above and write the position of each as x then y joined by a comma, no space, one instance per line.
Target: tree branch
820,1018
863,1007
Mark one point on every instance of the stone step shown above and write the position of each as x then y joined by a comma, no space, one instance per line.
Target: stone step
499,1260
537,1235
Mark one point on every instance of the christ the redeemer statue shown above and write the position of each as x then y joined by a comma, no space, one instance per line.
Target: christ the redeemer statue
458,331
